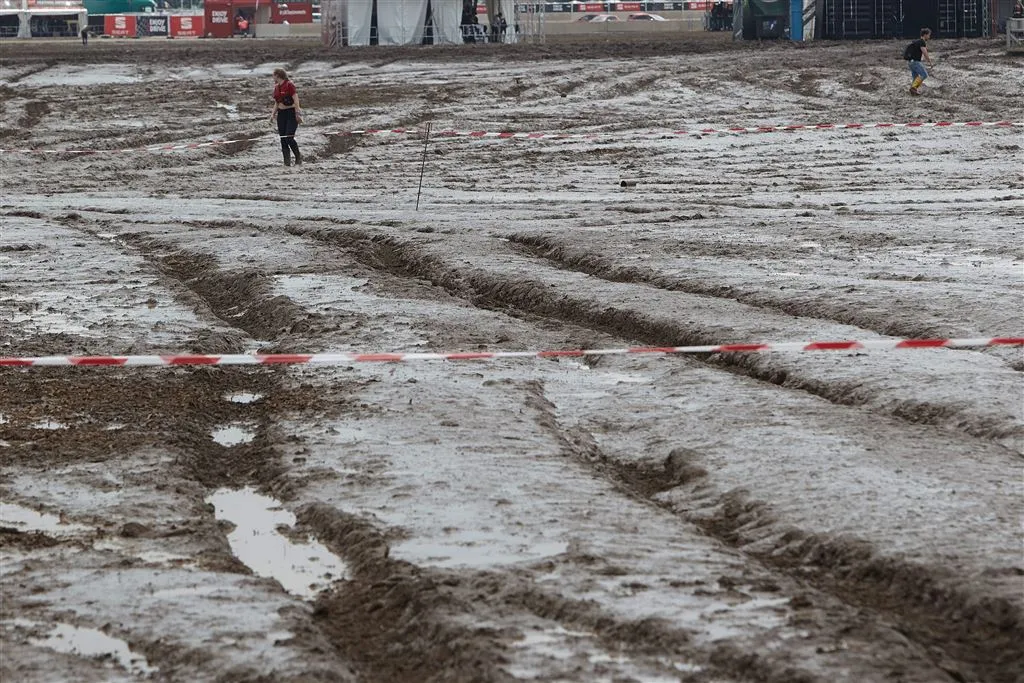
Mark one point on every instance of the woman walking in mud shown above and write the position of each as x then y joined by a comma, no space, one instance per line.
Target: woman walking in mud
288,116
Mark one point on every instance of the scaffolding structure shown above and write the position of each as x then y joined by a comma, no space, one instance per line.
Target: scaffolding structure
861,19
1015,35
854,19
530,22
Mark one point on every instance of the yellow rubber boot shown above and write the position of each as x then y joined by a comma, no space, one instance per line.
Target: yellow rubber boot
917,82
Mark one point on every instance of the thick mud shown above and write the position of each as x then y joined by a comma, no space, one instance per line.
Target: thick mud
774,518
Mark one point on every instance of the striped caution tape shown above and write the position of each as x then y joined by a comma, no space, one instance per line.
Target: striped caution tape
508,135
346,357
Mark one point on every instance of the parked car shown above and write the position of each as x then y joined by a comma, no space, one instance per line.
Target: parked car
646,16
598,18
586,17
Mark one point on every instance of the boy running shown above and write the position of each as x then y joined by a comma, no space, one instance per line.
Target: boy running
917,51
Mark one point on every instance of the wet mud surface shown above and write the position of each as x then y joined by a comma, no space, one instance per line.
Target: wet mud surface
771,518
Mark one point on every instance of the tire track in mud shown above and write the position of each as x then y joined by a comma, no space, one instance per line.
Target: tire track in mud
398,622
967,631
562,255
390,618
529,297
969,636
35,111
393,621
241,299
406,645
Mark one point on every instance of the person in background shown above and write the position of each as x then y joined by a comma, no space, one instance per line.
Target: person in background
1018,10
499,27
288,116
468,14
85,36
915,52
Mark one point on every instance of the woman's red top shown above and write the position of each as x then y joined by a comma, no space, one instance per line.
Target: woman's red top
282,90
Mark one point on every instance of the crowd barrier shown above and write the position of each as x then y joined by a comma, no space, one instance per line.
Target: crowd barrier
155,25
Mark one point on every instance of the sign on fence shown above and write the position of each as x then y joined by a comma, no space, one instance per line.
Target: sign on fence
119,26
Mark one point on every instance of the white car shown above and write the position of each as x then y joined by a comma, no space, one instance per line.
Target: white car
599,18
646,16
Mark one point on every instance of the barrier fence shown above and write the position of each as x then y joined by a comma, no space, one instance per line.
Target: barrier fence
343,358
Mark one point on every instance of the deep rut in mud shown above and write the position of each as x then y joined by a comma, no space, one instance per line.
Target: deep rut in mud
533,297
969,635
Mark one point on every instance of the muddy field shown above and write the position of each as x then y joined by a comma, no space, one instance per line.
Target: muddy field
776,518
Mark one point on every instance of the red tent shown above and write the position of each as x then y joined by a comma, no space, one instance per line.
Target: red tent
222,15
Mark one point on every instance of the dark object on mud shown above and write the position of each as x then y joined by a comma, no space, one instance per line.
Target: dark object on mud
11,537
134,530
627,183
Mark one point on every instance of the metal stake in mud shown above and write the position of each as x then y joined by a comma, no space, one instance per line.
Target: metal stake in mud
423,165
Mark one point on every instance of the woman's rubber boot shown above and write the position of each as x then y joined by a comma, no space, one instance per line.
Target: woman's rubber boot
298,158
287,158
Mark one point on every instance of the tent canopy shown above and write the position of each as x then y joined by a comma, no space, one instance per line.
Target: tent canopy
403,22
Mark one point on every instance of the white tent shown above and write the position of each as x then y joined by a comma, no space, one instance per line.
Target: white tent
73,14
402,22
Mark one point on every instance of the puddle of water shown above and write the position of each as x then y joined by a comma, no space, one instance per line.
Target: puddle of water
49,424
150,556
232,435
231,109
548,636
303,569
477,550
51,322
186,592
724,620
27,519
94,644
686,667
243,397
113,427
560,644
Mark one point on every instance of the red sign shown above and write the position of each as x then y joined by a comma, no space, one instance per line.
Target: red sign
186,27
593,7
629,7
119,25
293,13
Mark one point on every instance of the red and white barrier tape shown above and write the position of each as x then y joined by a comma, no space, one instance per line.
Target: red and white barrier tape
344,358
505,135
669,133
